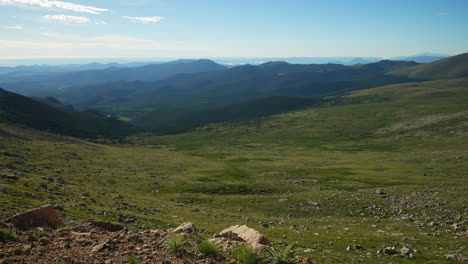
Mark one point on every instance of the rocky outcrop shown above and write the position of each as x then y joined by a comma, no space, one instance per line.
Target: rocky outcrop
97,242
45,217
91,242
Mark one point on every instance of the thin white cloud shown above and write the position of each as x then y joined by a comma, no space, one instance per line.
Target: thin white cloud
71,45
51,35
65,45
12,27
107,40
441,14
145,20
100,22
54,4
67,19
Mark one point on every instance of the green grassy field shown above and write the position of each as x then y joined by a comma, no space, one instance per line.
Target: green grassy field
314,174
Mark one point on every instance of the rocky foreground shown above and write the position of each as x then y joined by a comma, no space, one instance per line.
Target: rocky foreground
38,236
111,243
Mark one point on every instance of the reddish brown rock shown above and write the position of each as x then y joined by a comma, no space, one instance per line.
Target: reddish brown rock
45,217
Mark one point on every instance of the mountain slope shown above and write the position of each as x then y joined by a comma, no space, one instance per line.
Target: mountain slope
448,68
18,109
400,115
54,102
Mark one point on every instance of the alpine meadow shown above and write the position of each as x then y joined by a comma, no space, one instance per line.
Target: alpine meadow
233,132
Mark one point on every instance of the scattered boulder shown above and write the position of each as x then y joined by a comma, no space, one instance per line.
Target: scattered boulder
126,218
314,203
387,251
456,257
380,192
11,177
99,247
44,216
457,227
407,252
303,260
3,188
185,228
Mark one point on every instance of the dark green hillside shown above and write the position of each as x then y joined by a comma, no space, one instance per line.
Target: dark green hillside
22,110
167,121
448,68
54,102
362,115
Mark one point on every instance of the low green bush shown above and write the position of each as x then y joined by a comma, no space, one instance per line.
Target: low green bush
7,234
133,260
208,248
176,244
285,256
244,255
42,233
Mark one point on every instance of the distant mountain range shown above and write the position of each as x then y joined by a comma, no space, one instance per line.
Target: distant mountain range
25,70
71,64
176,96
40,84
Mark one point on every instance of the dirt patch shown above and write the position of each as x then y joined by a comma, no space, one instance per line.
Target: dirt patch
424,121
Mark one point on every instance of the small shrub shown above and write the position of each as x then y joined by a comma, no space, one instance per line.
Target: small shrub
133,260
7,234
176,244
285,256
42,233
244,255
208,248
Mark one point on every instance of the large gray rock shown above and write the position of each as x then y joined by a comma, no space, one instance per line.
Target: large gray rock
185,228
248,234
44,216
242,234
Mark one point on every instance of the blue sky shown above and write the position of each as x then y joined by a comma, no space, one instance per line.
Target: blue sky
231,28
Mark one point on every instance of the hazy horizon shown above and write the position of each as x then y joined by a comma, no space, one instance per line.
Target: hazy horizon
213,29
13,62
